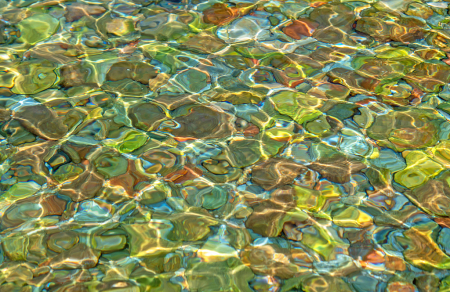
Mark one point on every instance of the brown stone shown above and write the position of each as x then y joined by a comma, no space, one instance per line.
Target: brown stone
276,172
300,27
79,257
38,207
219,14
84,187
267,216
78,10
339,170
41,121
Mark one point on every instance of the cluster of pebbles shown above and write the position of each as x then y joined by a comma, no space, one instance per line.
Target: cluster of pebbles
241,145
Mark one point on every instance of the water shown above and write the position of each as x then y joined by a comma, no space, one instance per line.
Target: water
224,146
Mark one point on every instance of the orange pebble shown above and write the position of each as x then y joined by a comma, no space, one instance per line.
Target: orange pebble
300,27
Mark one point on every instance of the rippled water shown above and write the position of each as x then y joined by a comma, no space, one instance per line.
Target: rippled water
237,145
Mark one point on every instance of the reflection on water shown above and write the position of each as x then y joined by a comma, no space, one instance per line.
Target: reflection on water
242,145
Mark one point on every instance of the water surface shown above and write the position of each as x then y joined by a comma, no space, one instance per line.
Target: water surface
224,146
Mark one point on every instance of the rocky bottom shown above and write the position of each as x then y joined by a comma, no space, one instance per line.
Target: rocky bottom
241,145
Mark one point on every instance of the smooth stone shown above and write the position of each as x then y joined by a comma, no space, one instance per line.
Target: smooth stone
192,80
62,241
420,168
90,211
37,28
352,217
41,121
16,248
245,29
78,257
389,159
109,243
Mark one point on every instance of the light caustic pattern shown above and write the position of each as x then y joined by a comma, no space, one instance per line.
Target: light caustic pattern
238,145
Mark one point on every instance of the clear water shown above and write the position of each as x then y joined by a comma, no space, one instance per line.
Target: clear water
224,146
